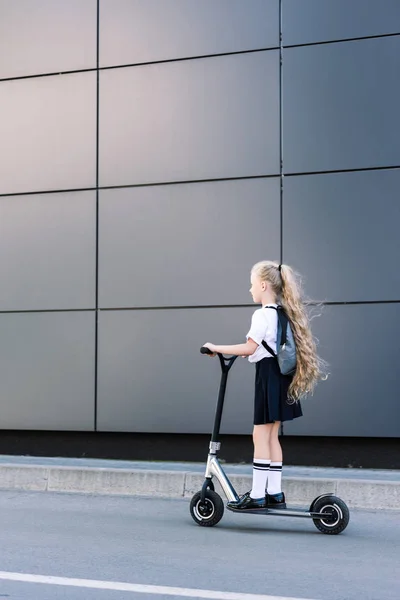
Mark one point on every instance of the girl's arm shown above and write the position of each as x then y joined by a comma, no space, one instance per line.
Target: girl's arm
246,349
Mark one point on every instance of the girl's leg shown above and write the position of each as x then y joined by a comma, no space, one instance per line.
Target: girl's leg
274,443
261,440
275,473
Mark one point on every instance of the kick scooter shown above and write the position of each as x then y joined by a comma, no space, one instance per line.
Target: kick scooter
329,513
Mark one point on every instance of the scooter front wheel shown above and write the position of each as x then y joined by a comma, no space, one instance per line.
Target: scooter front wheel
337,514
209,512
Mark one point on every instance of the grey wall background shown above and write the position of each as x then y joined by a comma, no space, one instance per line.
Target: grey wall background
151,152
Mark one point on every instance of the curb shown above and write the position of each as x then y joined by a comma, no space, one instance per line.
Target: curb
357,493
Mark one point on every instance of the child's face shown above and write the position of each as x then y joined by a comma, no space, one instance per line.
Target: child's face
257,288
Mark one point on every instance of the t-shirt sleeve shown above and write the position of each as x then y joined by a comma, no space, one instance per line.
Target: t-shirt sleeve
258,327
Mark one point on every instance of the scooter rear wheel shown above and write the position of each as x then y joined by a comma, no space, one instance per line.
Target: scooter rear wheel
337,514
209,512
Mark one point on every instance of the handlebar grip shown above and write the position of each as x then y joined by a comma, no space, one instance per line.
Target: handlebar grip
205,350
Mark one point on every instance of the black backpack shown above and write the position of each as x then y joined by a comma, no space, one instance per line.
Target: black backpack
286,354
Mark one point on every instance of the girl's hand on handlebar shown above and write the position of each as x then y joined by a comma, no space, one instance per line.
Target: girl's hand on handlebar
210,347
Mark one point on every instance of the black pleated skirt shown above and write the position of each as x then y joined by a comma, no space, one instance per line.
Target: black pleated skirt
271,394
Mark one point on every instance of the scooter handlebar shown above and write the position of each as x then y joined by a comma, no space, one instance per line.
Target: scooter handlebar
205,350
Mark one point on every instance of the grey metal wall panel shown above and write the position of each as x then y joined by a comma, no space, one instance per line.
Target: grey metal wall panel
48,133
48,251
134,31
47,371
152,377
360,398
341,231
186,244
47,36
324,20
340,106
201,119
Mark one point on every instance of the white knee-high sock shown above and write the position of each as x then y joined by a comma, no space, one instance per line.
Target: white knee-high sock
274,478
260,475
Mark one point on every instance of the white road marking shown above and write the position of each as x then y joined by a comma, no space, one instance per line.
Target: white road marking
136,587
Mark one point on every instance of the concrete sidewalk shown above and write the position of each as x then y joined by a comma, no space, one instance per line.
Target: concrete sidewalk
359,488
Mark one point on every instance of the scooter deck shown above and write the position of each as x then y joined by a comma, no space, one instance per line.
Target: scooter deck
279,512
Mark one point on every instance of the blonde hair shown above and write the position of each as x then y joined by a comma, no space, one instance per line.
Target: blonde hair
285,283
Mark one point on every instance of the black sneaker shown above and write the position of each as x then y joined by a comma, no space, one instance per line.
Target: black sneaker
247,503
275,500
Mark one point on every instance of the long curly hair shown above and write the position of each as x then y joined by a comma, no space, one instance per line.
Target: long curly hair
285,283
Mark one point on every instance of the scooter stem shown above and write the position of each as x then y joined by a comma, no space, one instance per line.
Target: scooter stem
226,364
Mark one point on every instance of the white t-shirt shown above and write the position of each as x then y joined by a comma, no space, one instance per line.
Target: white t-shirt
264,326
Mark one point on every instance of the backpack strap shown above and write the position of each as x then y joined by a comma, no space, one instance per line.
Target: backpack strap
283,320
268,348
264,343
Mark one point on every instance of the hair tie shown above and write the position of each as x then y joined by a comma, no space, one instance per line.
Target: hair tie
280,268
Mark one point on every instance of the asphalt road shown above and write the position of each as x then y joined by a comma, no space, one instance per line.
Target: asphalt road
154,542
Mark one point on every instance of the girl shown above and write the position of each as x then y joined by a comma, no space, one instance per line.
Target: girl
277,397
